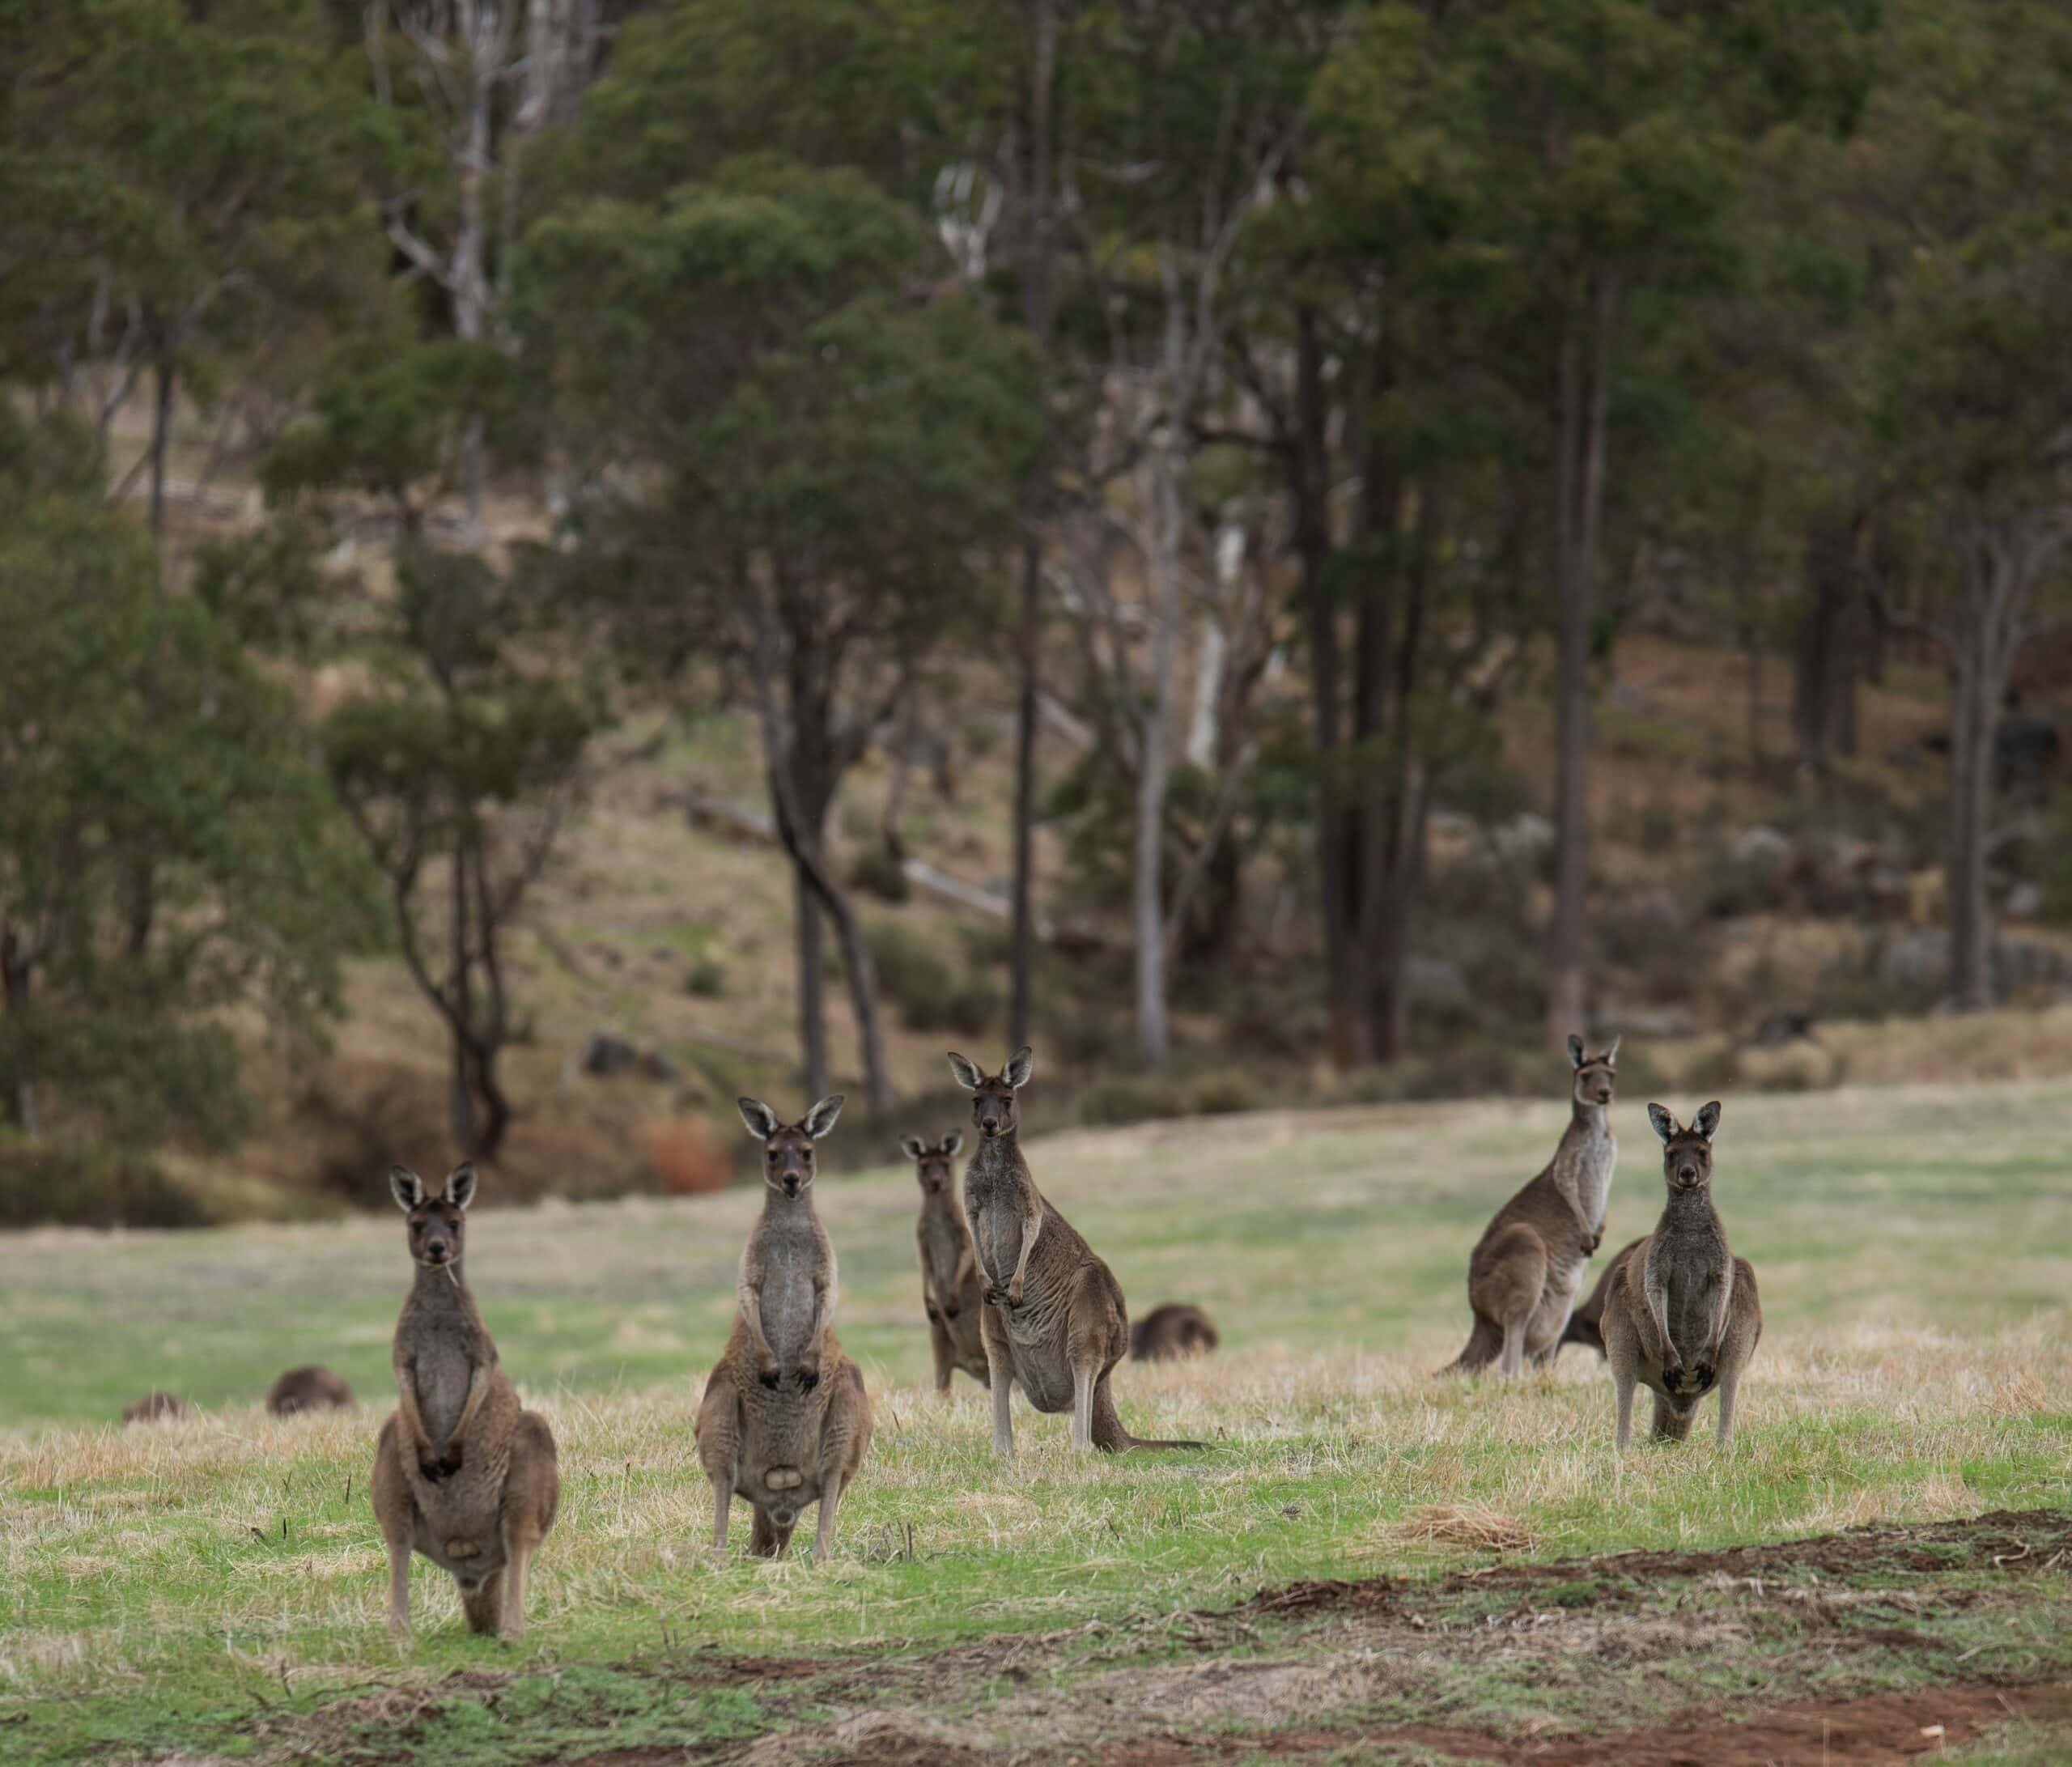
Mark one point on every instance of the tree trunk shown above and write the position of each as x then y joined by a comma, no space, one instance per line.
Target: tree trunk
1039,310
1309,469
1971,793
163,376
1824,659
1147,902
1579,486
1022,938
16,966
812,980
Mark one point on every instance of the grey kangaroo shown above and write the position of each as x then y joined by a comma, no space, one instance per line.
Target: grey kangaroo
950,1294
1682,1314
1522,1279
1054,1320
1170,1331
1585,1325
462,1473
784,1421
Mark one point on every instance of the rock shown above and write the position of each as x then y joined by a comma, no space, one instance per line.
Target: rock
1918,960
2025,902
1525,836
1761,845
1436,981
605,1055
1780,1028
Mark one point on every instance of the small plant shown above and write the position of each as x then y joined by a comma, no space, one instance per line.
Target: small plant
1226,1091
878,872
1122,1099
706,980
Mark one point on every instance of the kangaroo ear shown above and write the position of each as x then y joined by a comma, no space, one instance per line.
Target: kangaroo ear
460,1184
821,1118
911,1146
761,1119
405,1187
1708,1119
965,1075
952,1142
1016,1073
1611,1055
1665,1124
1575,1050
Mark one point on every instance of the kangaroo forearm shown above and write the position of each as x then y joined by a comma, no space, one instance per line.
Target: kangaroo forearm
406,1408
478,1391
967,1265
751,1306
1032,1226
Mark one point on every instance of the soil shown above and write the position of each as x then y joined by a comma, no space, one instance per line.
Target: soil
1237,1694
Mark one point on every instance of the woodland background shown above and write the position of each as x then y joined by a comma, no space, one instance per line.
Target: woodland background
563,561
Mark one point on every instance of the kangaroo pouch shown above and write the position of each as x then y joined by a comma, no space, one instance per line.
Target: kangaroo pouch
1037,1350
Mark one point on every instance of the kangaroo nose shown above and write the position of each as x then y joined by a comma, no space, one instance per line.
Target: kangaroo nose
989,1124
1688,1174
791,1183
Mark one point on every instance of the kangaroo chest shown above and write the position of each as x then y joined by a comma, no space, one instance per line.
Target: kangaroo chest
942,1239
1690,1263
791,1253
1592,1159
993,1201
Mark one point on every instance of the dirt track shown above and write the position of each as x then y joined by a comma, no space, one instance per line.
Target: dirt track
1394,1671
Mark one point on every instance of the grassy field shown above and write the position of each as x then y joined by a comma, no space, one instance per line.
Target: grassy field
214,1586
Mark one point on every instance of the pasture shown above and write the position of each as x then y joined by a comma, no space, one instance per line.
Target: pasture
213,1588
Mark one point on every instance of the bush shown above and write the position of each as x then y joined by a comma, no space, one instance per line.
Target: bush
911,976
1226,1091
1130,1098
686,1160
70,1187
707,979
878,872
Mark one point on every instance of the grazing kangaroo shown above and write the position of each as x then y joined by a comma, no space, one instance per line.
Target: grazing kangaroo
1168,1332
153,1408
784,1421
1586,1323
1522,1279
308,1389
1682,1314
949,1268
462,1473
1054,1318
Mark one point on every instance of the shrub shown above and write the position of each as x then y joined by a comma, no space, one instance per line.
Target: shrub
686,1160
1225,1092
73,1186
910,973
707,979
1130,1098
878,872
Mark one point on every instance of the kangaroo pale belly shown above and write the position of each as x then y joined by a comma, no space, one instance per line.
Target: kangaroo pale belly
442,1374
780,1464
1036,1345
787,1314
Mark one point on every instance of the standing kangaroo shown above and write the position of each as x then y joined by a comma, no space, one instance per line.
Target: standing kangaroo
1526,1269
1054,1318
1682,1314
784,1420
949,1268
461,1473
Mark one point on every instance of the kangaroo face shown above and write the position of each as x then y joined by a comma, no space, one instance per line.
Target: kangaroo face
935,1167
1686,1154
1596,1075
994,1107
436,1223
788,1147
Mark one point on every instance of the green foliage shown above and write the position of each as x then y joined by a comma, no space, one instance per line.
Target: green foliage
136,729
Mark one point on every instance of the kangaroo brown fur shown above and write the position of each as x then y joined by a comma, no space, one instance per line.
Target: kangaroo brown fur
1522,1278
1171,1331
1682,1314
784,1421
309,1388
1586,1325
1054,1323
462,1473
950,1294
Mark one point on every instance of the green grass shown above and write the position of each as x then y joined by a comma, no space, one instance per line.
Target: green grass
1916,1255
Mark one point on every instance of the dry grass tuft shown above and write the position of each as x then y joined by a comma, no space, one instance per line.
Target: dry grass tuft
1471,1527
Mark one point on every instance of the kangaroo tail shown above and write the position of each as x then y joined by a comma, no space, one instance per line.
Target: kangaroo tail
1485,1343
1109,1435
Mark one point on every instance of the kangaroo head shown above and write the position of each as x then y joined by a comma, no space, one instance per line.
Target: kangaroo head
935,1166
788,1155
1686,1154
994,1108
436,1222
1596,1075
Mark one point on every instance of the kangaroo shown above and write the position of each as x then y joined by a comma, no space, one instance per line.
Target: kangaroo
1170,1331
784,1421
1054,1318
462,1473
308,1389
153,1408
1585,1325
949,1268
1522,1279
1683,1313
